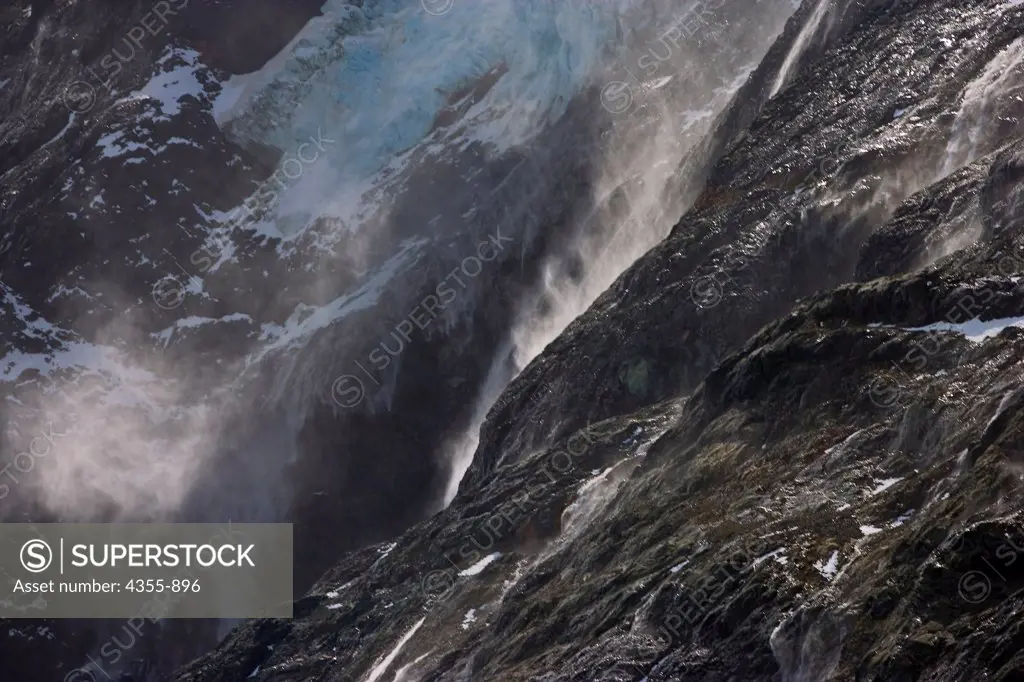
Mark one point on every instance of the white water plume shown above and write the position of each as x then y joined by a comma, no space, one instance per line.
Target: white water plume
990,111
640,192
807,34
99,434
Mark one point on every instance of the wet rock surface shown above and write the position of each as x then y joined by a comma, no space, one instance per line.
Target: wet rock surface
107,108
785,445
777,448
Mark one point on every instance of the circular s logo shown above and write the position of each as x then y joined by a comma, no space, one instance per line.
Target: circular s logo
706,292
36,556
616,97
347,391
884,391
974,587
438,585
79,97
168,293
437,7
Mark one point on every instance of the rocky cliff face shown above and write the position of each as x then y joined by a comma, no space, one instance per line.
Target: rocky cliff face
238,292
783,444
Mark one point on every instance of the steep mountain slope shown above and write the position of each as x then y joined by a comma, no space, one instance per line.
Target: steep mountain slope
785,444
277,245
224,222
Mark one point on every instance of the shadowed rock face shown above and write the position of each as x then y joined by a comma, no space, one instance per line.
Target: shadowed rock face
773,247
240,37
90,257
747,460
784,445
85,248
64,65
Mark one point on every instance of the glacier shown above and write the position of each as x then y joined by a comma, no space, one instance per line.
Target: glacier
400,88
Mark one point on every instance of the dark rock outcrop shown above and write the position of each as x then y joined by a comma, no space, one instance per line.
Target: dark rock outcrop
782,446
